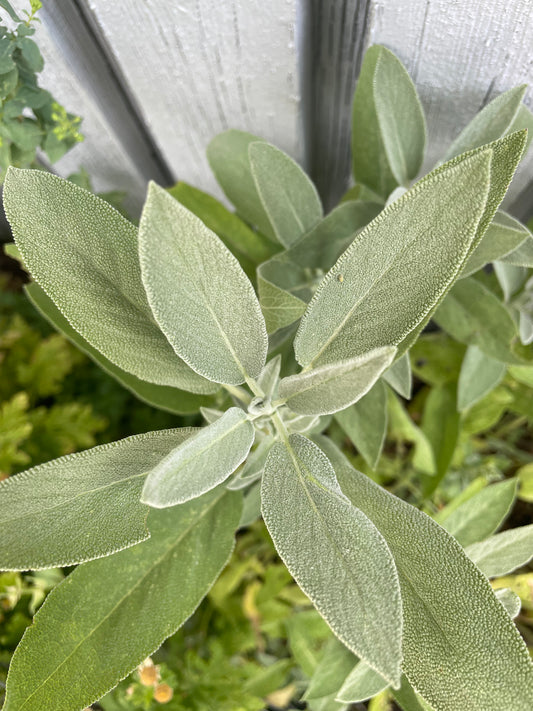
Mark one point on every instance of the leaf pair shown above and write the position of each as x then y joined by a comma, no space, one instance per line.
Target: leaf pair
429,611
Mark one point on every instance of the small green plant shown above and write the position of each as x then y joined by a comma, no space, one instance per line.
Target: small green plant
30,118
169,311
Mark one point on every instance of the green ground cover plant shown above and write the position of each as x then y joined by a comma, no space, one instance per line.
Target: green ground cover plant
30,117
281,376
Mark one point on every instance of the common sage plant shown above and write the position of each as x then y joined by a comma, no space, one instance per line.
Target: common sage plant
172,313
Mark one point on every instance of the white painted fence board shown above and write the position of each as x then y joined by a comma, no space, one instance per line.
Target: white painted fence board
460,54
198,67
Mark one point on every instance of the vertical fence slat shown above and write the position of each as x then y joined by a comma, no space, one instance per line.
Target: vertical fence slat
460,54
196,68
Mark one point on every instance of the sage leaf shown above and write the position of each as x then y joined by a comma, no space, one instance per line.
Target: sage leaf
479,375
248,246
81,506
403,429
361,684
388,124
385,284
254,466
287,281
400,377
251,506
228,157
163,397
407,699
201,463
269,376
522,256
523,119
289,197
510,601
511,279
440,424
492,122
334,553
474,315
334,666
330,388
69,657
503,553
482,514
503,236
365,423
83,254
461,649
209,313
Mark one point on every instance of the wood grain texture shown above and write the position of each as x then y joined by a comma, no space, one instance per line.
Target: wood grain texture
461,55
114,151
198,67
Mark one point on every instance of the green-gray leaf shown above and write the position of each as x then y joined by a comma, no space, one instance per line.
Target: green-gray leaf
503,236
334,666
503,553
398,268
81,506
510,600
365,423
479,375
330,388
400,377
83,254
481,514
474,315
361,684
492,122
163,397
388,125
334,553
201,298
107,616
461,649
289,197
400,116
202,462
228,157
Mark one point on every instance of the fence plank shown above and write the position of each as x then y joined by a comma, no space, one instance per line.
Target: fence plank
198,67
460,54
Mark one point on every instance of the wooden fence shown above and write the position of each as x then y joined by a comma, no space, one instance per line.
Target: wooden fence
154,80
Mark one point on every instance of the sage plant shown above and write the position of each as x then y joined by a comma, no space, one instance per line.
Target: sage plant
172,313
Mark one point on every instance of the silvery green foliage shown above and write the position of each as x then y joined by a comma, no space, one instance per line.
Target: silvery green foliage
172,314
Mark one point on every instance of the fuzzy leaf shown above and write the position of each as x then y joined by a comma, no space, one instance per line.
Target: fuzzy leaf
398,268
492,122
81,506
361,684
334,666
479,375
510,600
248,246
228,157
70,656
474,315
199,294
330,388
388,125
365,423
289,197
482,514
503,553
503,236
333,552
440,424
201,463
400,377
84,256
161,396
461,649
